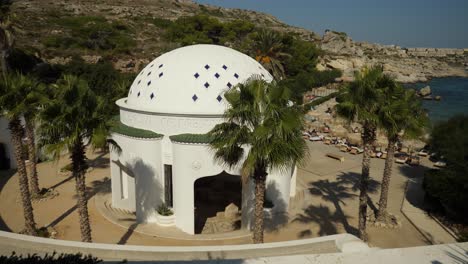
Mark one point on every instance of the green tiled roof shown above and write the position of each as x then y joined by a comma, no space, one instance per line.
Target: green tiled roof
120,128
191,138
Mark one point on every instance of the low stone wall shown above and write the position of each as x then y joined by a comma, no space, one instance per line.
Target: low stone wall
22,244
433,52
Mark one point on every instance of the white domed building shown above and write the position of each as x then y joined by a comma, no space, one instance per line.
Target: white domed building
164,155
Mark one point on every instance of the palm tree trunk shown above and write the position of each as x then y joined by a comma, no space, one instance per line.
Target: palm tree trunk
34,180
368,138
29,223
382,212
259,225
78,160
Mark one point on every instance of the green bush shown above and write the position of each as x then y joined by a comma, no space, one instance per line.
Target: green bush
302,57
103,79
50,259
448,187
90,32
161,22
164,210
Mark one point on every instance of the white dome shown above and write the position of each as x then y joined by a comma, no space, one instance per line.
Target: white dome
191,80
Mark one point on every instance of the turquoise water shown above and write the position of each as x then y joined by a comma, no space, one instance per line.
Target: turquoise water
454,92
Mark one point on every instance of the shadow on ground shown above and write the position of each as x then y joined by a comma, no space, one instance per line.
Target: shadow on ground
414,193
337,192
5,176
100,186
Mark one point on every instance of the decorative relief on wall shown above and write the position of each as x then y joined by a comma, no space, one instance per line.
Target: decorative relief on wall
168,125
196,165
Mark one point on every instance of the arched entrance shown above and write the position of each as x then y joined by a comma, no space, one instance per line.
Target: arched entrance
212,195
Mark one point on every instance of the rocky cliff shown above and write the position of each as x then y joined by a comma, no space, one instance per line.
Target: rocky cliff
406,64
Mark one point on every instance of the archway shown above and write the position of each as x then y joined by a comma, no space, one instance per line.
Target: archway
212,195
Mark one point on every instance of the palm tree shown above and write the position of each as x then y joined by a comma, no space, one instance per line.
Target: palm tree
11,93
73,117
268,51
28,99
261,122
360,102
400,115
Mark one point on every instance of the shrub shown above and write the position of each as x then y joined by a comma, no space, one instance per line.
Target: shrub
161,22
50,259
164,210
448,187
90,32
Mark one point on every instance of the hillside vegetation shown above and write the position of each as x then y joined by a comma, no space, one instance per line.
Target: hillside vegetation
130,33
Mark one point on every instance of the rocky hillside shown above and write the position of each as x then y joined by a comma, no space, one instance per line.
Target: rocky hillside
130,34
134,27
406,64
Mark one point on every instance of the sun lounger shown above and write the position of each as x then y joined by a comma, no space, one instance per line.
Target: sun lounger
384,156
423,153
359,150
404,150
335,156
344,149
316,138
401,158
353,151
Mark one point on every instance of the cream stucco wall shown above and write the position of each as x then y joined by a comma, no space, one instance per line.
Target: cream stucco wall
139,166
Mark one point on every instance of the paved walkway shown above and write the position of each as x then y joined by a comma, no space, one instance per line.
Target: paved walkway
412,208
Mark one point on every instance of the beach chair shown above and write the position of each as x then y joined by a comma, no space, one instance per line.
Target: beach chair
335,156
344,148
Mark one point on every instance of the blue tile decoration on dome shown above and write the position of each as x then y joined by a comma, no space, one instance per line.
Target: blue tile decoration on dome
236,75
225,67
161,74
160,65
139,81
217,75
148,84
138,95
196,75
207,66
229,85
151,66
152,96
207,85
219,98
149,73
194,97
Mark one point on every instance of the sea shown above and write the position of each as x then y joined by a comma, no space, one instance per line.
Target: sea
454,93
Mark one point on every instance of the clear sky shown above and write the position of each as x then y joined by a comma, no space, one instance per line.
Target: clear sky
410,23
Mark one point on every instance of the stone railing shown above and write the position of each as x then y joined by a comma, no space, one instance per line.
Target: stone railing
23,244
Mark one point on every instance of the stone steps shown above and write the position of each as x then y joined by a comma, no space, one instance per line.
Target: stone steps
117,212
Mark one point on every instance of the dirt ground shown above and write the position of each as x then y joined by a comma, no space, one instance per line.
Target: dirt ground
326,203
